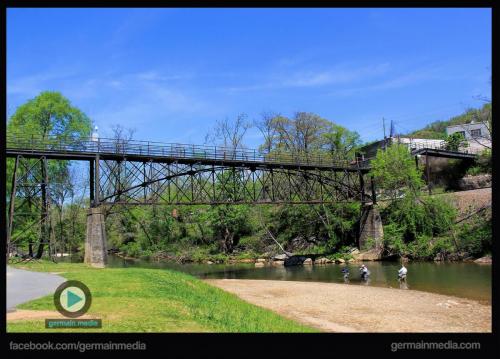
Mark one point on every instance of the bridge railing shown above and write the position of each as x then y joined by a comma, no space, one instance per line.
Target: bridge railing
171,150
464,147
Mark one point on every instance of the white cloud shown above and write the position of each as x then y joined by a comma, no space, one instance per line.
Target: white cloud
132,99
337,75
340,74
401,80
32,85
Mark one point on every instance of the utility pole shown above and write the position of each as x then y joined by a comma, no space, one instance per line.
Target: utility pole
385,138
383,125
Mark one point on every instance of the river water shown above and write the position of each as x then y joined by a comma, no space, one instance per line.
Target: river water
467,280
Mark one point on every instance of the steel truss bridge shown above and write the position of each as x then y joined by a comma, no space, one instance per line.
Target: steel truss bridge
126,172
129,172
142,173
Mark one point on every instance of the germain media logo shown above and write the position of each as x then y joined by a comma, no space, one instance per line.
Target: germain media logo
73,299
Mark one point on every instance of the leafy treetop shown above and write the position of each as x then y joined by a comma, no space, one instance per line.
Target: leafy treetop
49,114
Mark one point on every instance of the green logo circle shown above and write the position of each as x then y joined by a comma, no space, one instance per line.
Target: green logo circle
72,299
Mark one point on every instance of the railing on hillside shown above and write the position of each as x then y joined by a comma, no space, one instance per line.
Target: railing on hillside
171,150
440,145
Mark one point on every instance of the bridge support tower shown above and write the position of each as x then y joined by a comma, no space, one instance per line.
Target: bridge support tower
371,229
95,237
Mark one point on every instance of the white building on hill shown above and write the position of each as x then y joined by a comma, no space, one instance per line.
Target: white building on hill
477,139
477,135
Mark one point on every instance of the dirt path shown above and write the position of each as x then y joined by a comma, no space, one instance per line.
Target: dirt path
354,308
23,314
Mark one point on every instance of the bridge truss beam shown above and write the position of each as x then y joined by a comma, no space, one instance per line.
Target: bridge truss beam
131,182
29,207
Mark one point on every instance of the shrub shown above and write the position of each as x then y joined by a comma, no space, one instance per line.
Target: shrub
476,238
442,245
454,141
415,217
131,249
474,171
394,170
393,239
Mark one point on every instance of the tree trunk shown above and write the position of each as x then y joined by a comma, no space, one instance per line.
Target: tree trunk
45,211
228,241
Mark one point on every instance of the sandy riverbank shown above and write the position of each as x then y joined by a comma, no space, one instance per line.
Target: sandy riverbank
355,308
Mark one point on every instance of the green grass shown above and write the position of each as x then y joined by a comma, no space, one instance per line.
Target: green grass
153,300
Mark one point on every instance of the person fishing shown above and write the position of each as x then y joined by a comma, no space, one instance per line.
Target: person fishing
346,273
402,273
365,273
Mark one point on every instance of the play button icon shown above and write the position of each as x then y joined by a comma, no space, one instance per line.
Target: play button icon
72,299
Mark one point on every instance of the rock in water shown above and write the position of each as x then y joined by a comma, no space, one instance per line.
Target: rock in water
294,261
484,260
370,255
280,257
308,261
259,264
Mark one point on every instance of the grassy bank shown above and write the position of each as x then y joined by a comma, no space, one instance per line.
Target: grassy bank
149,300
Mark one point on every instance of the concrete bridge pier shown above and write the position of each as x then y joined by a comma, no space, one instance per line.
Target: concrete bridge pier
95,238
371,230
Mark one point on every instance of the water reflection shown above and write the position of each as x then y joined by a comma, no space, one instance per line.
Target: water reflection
403,284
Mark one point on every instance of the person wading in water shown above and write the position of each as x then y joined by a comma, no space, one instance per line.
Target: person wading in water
346,273
402,277
365,273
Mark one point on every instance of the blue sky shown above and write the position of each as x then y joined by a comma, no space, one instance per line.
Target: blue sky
171,73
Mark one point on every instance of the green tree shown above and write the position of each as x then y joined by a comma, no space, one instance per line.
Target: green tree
394,170
49,115
340,143
229,223
454,141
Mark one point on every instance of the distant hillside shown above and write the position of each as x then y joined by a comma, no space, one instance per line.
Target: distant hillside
437,129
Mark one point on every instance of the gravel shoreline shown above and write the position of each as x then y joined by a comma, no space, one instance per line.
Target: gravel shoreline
334,307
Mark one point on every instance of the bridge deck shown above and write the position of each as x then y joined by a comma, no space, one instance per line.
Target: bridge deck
142,151
435,152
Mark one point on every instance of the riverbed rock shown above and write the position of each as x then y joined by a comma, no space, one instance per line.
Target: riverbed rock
261,260
280,257
278,263
339,260
484,260
354,251
246,260
369,255
259,264
475,182
308,261
322,260
439,257
210,262
294,261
